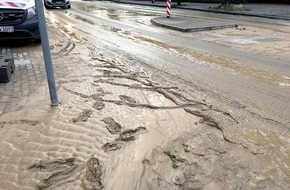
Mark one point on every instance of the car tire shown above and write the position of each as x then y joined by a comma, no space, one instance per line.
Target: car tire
37,41
47,7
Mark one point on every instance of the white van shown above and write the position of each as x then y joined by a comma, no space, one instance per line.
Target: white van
18,20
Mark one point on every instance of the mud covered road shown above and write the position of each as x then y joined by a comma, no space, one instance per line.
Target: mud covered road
148,108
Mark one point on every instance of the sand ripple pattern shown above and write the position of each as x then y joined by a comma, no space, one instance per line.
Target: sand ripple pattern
118,129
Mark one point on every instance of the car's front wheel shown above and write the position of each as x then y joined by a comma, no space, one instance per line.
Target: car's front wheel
46,6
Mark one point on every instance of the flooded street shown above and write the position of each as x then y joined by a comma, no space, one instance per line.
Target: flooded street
143,107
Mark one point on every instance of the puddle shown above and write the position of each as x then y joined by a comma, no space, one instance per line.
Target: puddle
283,84
285,81
137,16
243,41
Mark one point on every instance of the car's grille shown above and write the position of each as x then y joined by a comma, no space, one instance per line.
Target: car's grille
11,16
54,1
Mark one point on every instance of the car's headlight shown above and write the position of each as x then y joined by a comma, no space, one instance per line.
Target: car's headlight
31,12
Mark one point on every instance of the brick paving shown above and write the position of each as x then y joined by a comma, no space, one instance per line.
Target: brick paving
28,76
29,79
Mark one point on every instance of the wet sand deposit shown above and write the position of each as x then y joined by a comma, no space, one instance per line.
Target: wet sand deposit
117,128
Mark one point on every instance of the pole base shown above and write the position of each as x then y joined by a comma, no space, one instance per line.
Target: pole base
54,104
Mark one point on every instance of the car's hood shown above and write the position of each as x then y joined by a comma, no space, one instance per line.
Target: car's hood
17,4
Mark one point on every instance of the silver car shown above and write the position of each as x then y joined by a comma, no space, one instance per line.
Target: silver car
57,3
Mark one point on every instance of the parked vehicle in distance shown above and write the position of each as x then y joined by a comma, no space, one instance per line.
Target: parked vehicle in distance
57,3
18,20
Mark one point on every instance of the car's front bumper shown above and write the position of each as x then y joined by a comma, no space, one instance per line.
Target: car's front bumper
25,30
53,4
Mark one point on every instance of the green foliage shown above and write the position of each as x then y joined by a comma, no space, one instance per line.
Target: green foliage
229,2
218,1
230,7
205,1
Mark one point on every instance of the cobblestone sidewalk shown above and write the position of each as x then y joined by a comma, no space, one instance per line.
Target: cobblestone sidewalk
29,79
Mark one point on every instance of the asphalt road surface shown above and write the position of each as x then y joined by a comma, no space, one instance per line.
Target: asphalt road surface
129,30
248,83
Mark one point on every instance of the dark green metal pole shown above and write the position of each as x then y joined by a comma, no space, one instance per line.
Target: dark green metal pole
46,52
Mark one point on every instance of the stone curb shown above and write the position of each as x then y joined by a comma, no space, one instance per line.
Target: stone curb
191,29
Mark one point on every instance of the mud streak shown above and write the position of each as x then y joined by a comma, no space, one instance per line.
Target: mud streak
125,136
